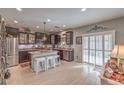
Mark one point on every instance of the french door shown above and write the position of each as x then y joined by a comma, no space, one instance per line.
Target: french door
97,47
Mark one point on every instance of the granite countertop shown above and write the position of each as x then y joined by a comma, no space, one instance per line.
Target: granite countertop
43,52
64,49
32,49
42,49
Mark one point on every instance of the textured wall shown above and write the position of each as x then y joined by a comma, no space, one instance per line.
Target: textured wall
115,24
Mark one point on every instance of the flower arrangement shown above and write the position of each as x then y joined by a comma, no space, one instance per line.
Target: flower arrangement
113,71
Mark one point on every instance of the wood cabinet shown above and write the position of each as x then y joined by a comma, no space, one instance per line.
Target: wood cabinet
39,36
23,38
31,38
69,38
12,31
61,54
48,39
68,55
26,38
54,39
24,56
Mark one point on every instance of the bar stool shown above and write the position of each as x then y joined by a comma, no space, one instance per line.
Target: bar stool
40,64
57,60
50,62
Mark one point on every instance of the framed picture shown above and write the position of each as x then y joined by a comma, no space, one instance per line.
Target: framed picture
79,40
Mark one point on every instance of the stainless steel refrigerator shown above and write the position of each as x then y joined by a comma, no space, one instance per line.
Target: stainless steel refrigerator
12,51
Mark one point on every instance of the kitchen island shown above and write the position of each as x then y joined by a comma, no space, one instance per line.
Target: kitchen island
41,54
24,55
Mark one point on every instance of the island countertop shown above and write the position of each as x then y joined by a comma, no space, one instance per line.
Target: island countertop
64,49
43,52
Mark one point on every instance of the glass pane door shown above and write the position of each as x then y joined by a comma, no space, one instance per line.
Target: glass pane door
92,57
85,42
99,58
107,46
97,48
85,55
92,49
85,49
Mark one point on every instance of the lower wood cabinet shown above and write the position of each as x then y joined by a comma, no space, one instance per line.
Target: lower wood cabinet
24,56
61,54
68,55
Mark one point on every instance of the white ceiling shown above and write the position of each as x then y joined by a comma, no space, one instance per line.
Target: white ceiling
72,17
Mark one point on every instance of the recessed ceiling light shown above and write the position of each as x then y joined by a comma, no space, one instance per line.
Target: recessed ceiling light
83,9
48,20
16,21
64,26
37,27
19,9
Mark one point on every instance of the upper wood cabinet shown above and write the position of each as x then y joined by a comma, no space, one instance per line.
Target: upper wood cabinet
54,39
26,38
31,38
12,31
23,38
38,37
69,38
48,39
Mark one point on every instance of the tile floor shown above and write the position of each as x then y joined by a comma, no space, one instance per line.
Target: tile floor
68,73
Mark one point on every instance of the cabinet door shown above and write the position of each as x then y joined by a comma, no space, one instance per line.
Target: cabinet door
38,37
69,38
31,38
12,31
48,39
24,56
52,39
99,50
57,39
23,38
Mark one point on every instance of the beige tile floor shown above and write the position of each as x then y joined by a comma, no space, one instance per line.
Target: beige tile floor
69,73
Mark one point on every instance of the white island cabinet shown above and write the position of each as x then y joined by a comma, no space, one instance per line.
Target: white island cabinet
40,54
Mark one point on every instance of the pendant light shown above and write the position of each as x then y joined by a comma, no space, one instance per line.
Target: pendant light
44,37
